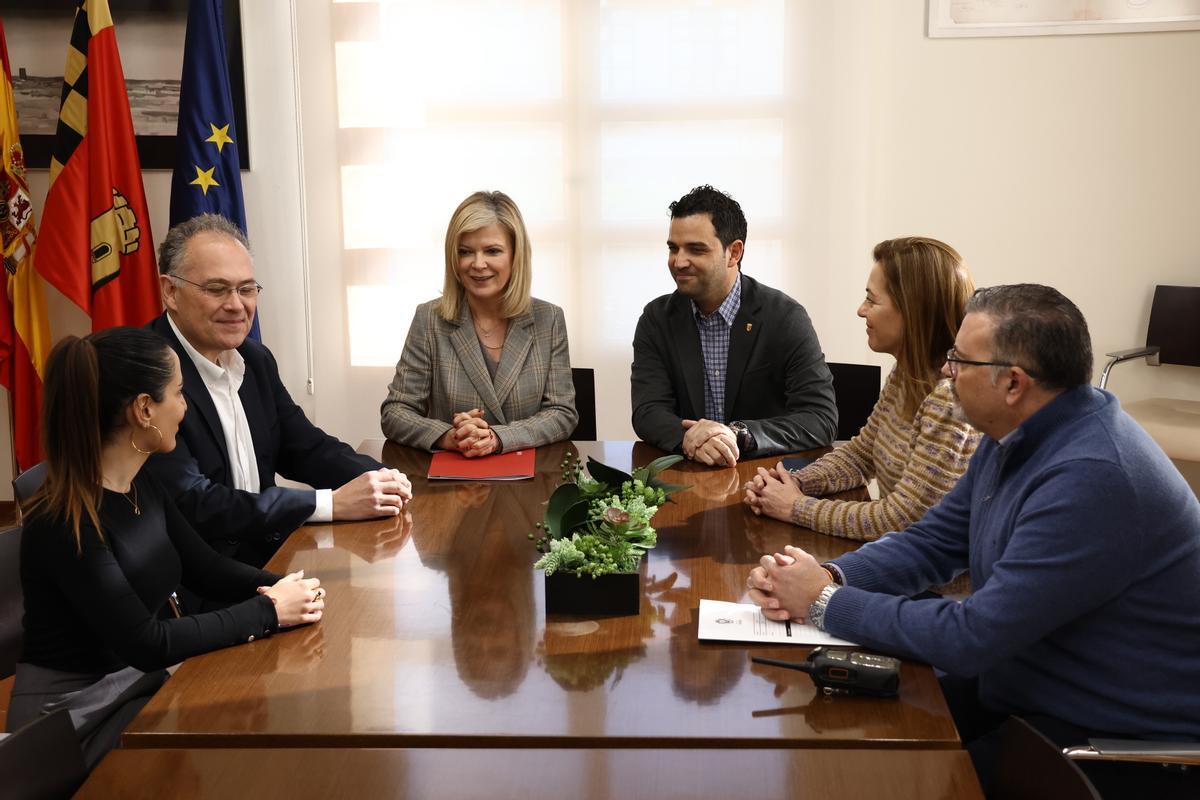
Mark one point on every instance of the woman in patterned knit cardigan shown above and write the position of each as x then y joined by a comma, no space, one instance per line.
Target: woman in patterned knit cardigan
913,444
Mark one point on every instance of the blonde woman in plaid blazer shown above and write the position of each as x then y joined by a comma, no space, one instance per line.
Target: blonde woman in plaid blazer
486,368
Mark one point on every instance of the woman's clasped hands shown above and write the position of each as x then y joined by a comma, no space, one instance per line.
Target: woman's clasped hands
772,492
471,435
298,600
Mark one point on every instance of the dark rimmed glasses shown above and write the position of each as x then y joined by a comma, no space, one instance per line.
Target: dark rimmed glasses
952,361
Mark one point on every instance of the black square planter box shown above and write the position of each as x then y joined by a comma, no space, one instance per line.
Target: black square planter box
569,593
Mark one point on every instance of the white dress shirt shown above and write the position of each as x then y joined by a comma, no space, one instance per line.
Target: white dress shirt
223,381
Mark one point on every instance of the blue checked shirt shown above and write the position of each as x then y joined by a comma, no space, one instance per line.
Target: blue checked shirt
714,344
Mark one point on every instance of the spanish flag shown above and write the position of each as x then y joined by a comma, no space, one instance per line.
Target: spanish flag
95,244
24,333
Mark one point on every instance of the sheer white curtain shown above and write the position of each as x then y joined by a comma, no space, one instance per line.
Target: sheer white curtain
593,115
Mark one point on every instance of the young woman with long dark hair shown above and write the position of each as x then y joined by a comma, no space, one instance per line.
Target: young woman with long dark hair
103,548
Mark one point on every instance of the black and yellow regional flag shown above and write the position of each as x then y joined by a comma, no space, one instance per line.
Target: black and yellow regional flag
95,244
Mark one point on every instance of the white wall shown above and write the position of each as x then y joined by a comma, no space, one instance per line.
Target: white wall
1068,160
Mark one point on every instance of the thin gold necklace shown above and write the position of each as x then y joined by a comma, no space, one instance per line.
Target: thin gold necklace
482,331
485,333
137,509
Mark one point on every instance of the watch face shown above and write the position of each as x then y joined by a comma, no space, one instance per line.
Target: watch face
742,433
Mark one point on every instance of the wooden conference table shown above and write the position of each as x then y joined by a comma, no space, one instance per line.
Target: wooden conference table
524,774
435,635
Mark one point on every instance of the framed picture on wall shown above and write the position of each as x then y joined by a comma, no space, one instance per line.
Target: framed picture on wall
150,36
957,18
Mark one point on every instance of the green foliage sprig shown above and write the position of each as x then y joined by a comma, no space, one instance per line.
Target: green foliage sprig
598,523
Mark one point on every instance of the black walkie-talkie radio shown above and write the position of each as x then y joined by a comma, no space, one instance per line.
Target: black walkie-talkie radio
851,672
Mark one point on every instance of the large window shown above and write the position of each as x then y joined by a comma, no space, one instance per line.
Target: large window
592,114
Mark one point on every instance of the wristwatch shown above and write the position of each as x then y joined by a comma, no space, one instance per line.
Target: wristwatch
745,439
816,612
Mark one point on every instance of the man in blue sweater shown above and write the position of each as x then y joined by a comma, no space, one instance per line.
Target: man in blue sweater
1083,543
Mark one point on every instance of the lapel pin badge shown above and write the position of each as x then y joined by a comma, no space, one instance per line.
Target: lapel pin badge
749,326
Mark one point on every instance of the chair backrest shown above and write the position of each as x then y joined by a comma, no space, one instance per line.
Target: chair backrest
1030,765
585,404
28,482
43,759
12,602
1175,325
856,387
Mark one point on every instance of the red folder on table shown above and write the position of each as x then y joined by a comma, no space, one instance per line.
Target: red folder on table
514,466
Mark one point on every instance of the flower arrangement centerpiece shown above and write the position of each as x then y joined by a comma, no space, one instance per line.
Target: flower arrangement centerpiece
597,526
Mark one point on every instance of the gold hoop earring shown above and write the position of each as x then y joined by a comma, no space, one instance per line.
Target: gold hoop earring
157,444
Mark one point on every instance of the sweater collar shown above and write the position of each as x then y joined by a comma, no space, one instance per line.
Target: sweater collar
1071,404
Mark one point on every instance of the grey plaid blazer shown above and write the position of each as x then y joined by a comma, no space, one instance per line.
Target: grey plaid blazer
441,372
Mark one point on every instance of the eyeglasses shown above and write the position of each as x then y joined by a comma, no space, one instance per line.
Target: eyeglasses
219,290
952,360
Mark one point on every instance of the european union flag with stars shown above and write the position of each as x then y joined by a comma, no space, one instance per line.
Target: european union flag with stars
207,174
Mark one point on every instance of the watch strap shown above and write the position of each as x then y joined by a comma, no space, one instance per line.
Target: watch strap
816,612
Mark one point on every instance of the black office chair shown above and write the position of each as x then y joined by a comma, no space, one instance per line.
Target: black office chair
856,387
43,759
585,404
1030,765
12,603
12,607
28,482
1172,337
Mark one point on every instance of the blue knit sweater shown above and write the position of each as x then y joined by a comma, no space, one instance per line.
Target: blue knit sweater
1083,542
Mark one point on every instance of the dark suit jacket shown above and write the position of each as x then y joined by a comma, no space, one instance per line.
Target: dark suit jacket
776,381
197,473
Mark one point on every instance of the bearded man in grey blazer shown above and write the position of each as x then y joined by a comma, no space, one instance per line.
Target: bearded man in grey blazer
724,367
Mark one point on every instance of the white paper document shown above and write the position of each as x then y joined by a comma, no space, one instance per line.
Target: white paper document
744,622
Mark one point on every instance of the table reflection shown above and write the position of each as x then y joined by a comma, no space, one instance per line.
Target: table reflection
436,635
490,584
385,539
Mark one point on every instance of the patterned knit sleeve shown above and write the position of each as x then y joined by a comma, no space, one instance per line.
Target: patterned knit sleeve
851,465
940,450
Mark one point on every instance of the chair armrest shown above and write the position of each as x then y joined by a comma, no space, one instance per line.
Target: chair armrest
1150,353
1133,352
1136,750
